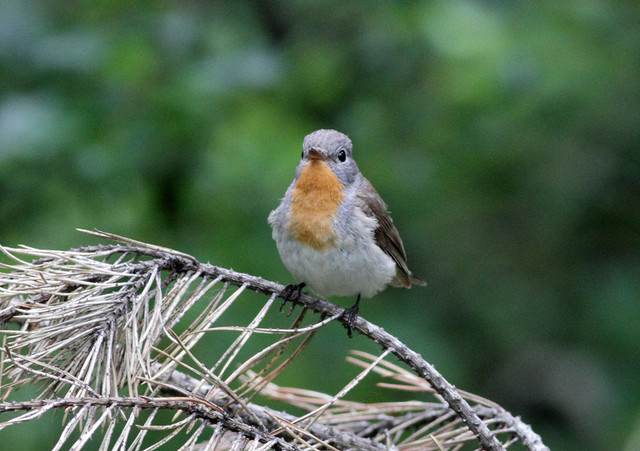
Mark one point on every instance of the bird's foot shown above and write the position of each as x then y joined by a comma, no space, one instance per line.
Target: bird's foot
351,315
291,293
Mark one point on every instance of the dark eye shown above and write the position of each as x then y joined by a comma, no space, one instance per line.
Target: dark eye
342,156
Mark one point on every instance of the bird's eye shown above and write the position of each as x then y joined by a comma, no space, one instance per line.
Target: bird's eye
342,156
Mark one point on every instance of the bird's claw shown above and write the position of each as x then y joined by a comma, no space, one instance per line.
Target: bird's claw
351,316
291,293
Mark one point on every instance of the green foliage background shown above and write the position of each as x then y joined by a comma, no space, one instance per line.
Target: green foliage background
504,135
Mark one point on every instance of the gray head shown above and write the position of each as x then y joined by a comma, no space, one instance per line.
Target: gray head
335,149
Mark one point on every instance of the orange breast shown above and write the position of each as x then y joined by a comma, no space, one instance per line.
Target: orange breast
314,203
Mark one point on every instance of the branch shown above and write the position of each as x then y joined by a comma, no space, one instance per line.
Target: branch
93,320
448,392
179,382
196,407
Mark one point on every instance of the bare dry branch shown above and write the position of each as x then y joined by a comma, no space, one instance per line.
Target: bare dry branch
95,322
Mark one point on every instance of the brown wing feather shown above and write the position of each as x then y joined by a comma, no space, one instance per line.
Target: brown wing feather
386,235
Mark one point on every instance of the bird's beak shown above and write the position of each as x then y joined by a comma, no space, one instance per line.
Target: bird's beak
315,155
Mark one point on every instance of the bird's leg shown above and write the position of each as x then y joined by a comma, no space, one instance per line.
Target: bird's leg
351,315
291,293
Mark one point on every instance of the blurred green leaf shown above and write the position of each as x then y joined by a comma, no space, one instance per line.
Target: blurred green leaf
503,135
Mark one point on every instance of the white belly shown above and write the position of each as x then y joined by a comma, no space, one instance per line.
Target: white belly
340,271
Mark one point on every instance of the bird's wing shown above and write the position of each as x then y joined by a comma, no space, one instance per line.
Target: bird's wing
386,234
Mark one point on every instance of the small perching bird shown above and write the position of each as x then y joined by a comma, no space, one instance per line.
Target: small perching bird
333,231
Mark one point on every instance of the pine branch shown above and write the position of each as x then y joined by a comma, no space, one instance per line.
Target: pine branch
91,320
373,332
196,408
179,382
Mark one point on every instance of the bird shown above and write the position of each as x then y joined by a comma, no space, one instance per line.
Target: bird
333,230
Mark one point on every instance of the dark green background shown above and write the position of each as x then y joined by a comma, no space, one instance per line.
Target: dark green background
504,135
